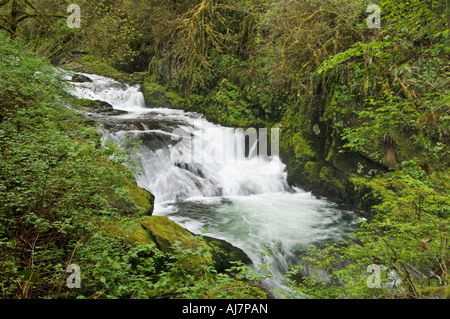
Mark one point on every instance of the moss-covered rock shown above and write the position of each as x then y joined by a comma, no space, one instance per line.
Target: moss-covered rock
159,96
80,78
127,197
164,232
99,107
142,198
131,232
224,253
90,64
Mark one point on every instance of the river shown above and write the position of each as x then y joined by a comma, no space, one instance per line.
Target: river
244,199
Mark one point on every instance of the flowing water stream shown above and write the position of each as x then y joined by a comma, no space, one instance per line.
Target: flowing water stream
244,199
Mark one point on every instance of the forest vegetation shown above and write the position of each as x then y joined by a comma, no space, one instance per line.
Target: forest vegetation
364,115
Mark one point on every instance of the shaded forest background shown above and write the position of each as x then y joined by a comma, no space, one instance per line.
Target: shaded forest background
364,111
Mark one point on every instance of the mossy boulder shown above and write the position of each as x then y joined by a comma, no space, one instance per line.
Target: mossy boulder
160,96
99,107
142,198
130,232
128,198
80,78
87,63
164,233
225,253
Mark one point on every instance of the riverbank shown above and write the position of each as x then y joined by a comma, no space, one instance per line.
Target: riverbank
69,200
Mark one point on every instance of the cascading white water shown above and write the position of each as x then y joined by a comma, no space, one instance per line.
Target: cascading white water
244,200
121,96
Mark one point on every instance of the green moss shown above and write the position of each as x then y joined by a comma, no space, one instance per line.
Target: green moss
174,99
244,290
156,94
313,169
326,173
223,254
86,103
302,148
130,232
165,232
435,292
142,198
91,64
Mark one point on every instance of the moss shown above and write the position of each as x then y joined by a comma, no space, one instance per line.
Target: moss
131,232
91,64
312,169
157,230
175,99
165,232
99,67
153,91
328,175
435,292
156,94
224,253
302,148
142,198
86,103
132,199
244,290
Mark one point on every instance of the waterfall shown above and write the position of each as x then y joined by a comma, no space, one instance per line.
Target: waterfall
204,175
121,96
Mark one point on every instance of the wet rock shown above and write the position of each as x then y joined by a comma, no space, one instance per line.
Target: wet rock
79,78
100,107
165,232
225,253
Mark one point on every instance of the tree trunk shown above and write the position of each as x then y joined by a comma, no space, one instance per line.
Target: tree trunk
13,21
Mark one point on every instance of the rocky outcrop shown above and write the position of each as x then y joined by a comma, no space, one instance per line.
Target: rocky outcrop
157,95
319,163
80,78
223,253
99,107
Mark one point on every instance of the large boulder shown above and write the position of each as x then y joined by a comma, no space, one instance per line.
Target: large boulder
80,78
164,233
157,95
225,253
99,107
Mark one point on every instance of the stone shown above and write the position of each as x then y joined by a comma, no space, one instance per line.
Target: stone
80,78
165,232
224,253
100,107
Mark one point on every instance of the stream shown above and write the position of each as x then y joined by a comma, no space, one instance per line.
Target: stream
244,199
